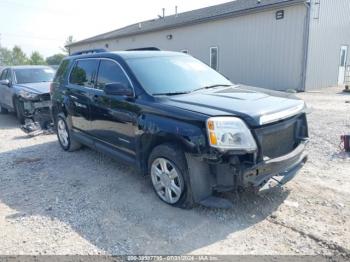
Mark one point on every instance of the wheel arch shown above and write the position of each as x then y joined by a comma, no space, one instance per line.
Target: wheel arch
58,109
189,138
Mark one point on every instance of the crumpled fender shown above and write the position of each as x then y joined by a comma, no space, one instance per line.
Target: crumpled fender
155,129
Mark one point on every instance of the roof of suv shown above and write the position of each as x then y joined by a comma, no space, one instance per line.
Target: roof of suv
144,54
27,66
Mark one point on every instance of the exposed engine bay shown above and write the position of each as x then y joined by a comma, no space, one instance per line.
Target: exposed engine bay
36,111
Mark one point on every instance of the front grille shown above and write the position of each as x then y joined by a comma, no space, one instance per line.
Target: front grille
280,139
279,143
45,97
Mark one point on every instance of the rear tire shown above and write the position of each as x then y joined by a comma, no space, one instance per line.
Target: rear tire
19,107
168,171
64,135
3,110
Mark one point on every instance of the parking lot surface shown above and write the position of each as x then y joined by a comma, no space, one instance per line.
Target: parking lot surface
53,202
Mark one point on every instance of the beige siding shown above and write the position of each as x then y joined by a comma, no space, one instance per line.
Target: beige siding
327,34
254,49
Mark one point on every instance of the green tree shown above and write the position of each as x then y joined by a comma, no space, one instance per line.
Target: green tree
5,56
36,59
55,59
69,41
18,56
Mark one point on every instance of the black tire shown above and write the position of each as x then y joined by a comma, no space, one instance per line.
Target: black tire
19,107
71,144
3,110
176,157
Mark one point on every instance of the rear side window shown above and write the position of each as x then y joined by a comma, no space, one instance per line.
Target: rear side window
84,73
110,72
61,72
3,74
8,75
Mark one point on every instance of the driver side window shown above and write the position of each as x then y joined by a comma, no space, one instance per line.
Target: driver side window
3,74
110,72
9,75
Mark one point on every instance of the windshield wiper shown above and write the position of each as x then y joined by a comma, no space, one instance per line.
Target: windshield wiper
209,87
171,94
188,92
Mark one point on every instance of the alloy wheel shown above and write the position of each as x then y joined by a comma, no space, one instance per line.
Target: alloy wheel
167,181
62,133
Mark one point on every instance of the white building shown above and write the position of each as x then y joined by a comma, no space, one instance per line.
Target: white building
277,44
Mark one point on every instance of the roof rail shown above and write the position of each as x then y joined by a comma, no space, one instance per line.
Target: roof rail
145,49
90,51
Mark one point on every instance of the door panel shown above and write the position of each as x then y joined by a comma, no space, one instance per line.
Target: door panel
343,62
6,92
113,117
79,107
81,83
112,121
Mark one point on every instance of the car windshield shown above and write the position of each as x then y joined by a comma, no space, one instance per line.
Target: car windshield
34,75
168,75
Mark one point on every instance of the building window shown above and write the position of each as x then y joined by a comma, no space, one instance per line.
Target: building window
214,57
279,14
317,7
185,51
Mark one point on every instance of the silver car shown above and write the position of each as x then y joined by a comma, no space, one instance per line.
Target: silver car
25,90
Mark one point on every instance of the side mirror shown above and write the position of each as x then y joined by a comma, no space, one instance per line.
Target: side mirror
5,82
118,89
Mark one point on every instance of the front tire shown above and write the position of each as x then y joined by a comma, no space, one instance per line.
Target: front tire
64,135
169,176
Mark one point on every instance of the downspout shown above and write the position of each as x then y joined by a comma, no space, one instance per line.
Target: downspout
306,45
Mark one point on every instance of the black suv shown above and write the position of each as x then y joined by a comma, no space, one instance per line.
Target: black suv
194,132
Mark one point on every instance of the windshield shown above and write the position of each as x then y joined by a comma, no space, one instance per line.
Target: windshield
34,75
174,74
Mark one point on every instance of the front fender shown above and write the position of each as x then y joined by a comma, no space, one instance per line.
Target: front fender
155,130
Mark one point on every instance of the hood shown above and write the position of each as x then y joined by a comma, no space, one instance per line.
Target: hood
256,106
36,88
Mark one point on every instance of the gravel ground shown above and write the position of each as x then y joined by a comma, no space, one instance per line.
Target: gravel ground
52,202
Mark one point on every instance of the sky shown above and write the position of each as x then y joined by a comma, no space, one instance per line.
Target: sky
44,25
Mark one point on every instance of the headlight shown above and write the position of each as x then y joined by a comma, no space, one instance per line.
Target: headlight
230,133
27,95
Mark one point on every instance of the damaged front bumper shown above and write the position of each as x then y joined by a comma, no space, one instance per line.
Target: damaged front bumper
37,113
234,175
275,172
